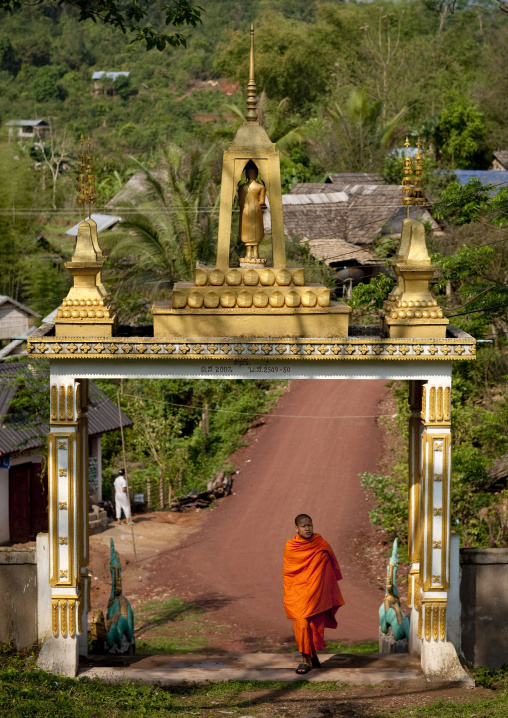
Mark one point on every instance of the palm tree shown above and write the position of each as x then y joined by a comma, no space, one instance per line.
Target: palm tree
170,224
361,130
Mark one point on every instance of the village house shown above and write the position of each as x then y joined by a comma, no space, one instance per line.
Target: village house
500,162
341,218
104,82
16,324
23,484
27,129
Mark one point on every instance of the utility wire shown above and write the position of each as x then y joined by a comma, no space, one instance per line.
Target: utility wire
256,413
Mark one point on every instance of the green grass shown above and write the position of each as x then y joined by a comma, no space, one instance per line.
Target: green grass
173,626
360,647
26,691
497,707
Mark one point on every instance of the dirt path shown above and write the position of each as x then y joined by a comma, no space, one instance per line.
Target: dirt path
295,463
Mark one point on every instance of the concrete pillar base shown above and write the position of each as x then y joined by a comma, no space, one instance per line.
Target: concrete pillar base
43,589
440,660
59,656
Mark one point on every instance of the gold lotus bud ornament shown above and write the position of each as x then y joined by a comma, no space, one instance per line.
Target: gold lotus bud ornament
407,180
418,197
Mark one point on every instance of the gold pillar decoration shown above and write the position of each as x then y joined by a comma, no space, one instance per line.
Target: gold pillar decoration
68,505
435,503
253,299
88,310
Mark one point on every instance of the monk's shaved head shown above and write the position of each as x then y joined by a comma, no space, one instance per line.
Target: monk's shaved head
301,517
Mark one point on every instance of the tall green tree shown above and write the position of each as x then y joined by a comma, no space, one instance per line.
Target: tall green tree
131,16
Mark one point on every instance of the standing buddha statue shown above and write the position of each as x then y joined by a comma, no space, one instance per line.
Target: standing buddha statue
251,197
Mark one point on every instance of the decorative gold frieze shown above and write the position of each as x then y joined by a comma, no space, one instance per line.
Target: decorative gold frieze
344,349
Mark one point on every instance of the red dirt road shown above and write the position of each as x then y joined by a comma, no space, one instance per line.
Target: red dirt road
296,463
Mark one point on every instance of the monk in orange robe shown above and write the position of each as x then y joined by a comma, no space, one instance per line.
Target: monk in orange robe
312,595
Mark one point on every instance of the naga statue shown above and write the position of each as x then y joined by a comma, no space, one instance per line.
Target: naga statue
390,612
116,633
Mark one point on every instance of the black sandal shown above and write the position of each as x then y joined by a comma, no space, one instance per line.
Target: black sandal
303,668
315,662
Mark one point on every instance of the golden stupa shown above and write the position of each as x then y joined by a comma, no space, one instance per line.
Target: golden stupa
252,299
410,310
88,309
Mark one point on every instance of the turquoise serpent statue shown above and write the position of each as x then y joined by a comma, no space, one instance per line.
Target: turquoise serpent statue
390,612
120,617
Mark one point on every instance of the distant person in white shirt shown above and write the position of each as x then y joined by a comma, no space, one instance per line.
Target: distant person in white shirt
122,498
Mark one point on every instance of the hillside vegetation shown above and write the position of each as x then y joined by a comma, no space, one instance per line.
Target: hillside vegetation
341,85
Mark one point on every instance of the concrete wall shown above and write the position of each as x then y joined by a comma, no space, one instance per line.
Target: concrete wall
484,599
18,596
4,506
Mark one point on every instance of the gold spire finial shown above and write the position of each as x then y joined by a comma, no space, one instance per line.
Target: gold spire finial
87,194
418,194
407,180
252,103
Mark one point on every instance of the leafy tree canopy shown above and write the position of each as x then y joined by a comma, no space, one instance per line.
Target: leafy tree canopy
131,16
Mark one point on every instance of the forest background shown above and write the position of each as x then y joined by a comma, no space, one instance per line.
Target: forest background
341,85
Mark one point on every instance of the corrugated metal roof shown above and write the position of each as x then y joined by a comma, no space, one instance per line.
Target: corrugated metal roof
103,221
102,413
110,75
15,343
27,123
495,177
320,198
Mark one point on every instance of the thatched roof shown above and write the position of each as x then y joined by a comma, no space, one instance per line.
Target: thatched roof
356,214
355,178
337,251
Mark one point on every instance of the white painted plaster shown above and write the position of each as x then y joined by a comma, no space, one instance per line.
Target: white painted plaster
247,368
43,589
453,608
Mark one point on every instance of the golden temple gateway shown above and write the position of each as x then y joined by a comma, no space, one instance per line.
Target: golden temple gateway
240,321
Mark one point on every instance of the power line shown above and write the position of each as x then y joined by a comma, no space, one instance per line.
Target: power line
256,413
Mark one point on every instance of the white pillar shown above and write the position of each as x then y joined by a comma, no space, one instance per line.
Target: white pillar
439,657
68,526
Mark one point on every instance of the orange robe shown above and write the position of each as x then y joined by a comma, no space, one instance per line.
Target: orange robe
312,595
